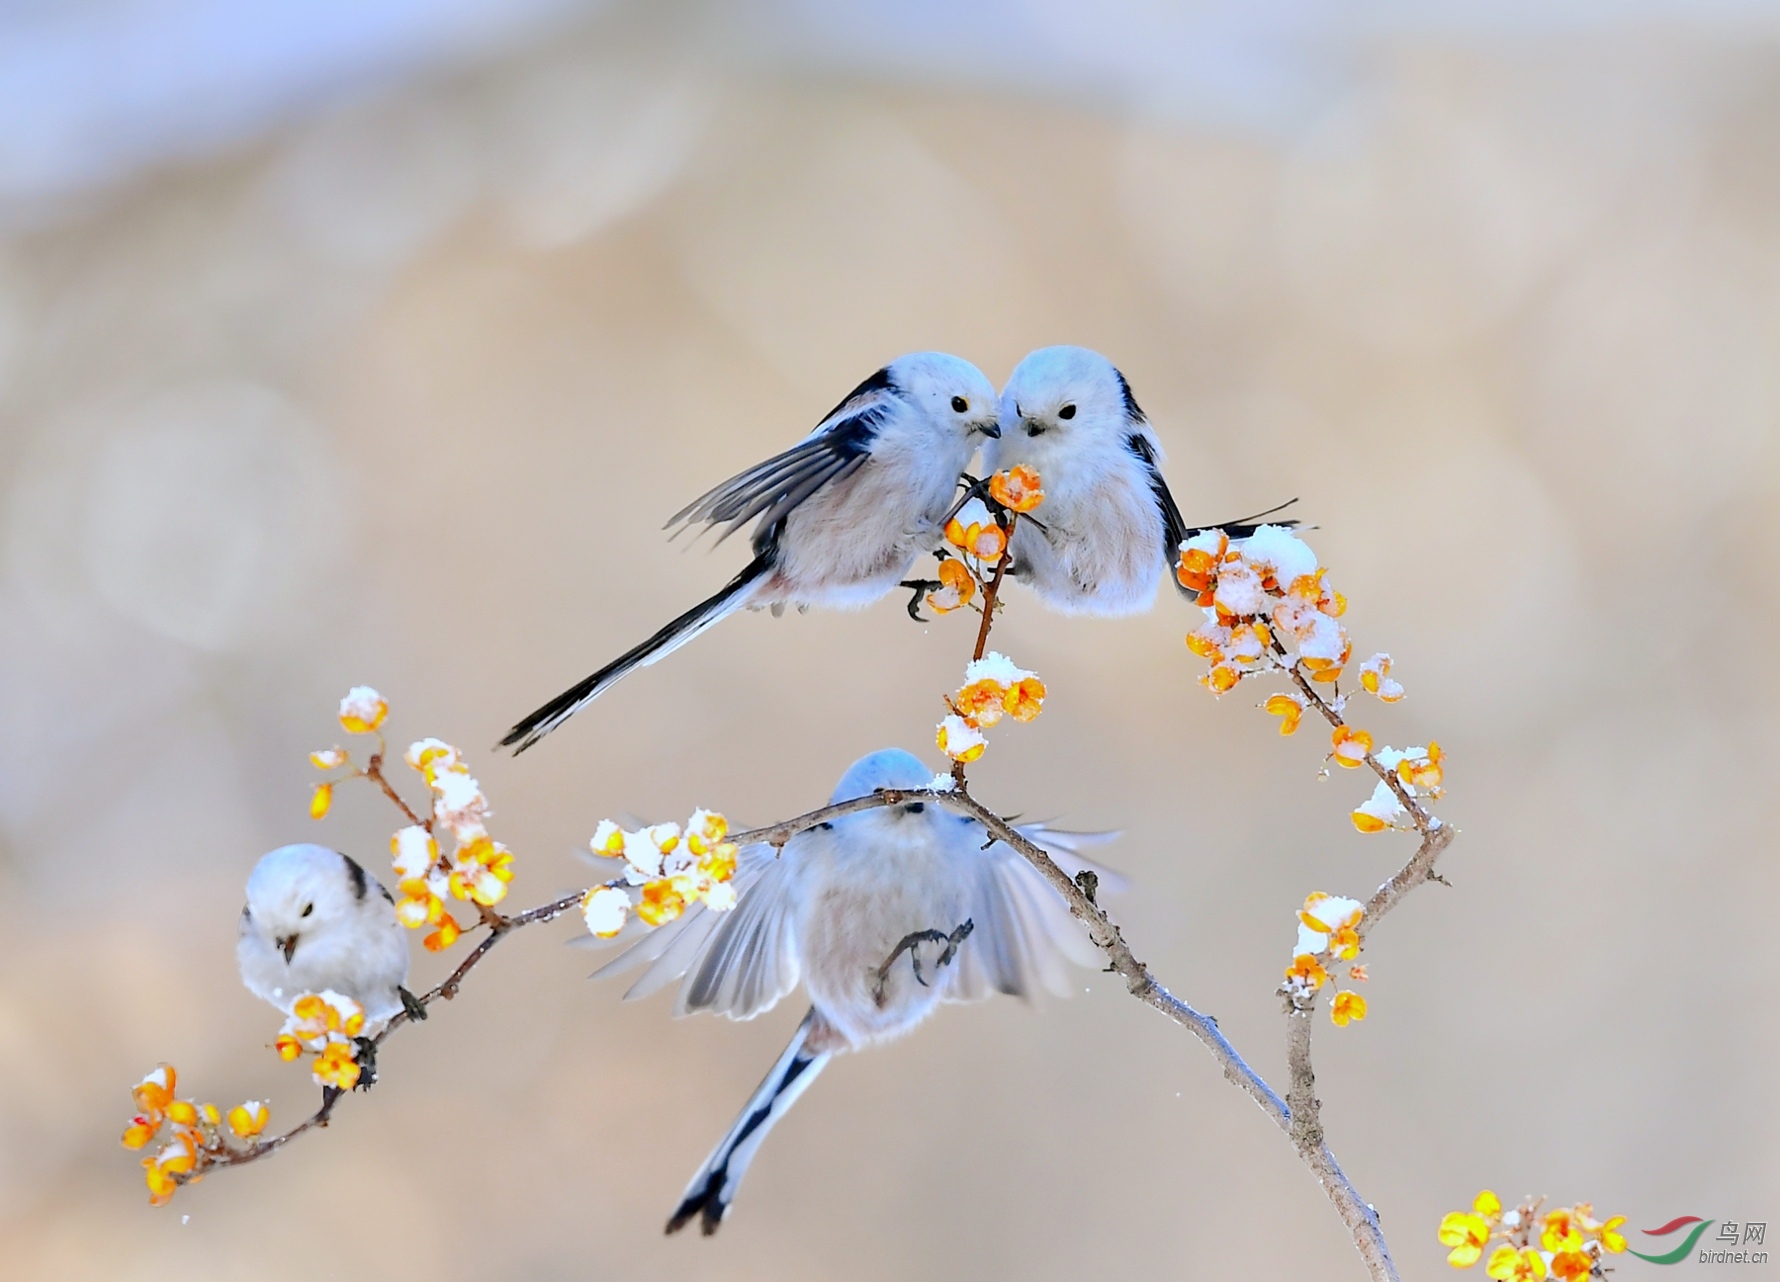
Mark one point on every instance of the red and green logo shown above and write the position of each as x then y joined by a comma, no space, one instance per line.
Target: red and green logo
1675,1225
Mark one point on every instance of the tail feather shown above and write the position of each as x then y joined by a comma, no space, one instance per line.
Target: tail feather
1245,526
714,1187
666,641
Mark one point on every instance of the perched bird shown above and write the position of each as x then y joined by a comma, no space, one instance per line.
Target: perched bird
848,908
1109,529
315,920
842,515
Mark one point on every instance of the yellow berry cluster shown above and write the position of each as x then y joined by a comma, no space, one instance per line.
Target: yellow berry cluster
192,1133
1567,1243
674,867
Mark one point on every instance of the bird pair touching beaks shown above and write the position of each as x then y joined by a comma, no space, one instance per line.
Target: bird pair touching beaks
845,514
881,915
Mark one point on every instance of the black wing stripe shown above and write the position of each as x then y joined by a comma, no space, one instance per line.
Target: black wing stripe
737,511
785,480
1174,525
1171,518
1132,409
355,871
839,471
717,504
878,382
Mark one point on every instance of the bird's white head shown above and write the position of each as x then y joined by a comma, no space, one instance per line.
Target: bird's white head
885,768
302,890
1066,393
955,393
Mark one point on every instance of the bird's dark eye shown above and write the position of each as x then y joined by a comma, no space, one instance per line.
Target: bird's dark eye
307,909
1068,411
959,404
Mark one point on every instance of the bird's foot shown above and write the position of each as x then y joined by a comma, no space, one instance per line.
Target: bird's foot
907,944
367,1063
413,1005
957,937
911,944
921,588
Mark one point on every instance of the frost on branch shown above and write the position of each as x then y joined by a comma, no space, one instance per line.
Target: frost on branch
1018,490
1265,606
993,687
1328,932
957,587
975,533
1418,773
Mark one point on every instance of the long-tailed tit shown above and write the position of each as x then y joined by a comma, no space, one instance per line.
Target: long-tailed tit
315,920
842,515
882,915
1109,529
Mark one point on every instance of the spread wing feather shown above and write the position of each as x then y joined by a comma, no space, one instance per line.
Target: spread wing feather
1024,931
737,963
837,448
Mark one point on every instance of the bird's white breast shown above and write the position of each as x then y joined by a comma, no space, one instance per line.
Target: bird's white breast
858,902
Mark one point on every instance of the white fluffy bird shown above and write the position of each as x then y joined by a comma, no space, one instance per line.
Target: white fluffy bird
315,920
1109,529
842,516
830,910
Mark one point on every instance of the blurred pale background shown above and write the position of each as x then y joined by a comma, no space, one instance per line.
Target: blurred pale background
373,343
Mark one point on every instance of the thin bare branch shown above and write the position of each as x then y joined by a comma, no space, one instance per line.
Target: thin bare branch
780,833
374,772
209,1159
991,593
1424,820
1436,836
1297,1115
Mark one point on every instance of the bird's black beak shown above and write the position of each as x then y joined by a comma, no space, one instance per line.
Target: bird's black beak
991,430
287,946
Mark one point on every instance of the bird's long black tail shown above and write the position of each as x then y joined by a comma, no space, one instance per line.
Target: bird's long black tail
676,634
1244,527
714,1187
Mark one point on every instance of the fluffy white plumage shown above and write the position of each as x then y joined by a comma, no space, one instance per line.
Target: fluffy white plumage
828,910
316,920
840,518
1108,529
